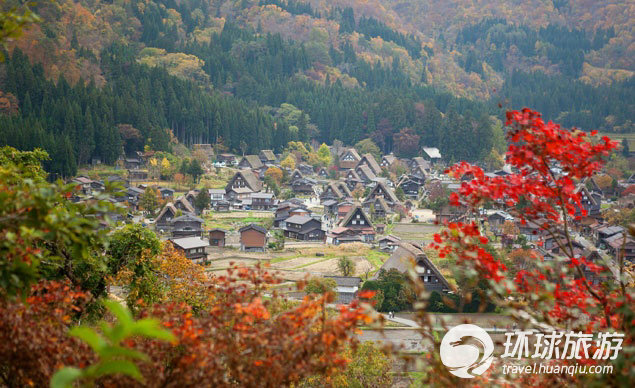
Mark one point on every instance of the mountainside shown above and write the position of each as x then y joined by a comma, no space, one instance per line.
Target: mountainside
430,71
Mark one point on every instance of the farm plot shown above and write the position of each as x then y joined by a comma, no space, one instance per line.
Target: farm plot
329,266
415,232
236,220
226,263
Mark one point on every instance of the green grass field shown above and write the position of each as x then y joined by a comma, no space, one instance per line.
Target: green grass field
233,223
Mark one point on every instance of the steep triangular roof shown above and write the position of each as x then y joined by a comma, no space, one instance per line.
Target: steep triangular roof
432,152
369,160
352,174
188,217
185,203
352,152
351,214
418,171
253,160
381,202
586,194
268,155
336,191
191,195
367,172
409,178
168,207
389,159
296,174
388,194
343,188
408,253
250,179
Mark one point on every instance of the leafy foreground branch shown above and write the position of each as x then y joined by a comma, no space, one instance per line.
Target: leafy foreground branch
245,338
114,358
569,293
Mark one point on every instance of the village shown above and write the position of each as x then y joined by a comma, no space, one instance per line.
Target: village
349,220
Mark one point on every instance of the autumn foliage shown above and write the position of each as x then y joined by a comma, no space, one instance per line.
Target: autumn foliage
247,335
243,339
550,162
33,335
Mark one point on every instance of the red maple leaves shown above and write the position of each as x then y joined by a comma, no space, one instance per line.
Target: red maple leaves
549,164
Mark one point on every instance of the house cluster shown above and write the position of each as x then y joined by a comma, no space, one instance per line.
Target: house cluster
345,218
245,189
135,165
351,221
592,235
365,170
123,193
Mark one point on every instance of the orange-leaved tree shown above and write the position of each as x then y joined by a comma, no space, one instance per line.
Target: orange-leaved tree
243,338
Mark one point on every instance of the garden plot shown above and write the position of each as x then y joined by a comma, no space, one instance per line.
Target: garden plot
415,232
226,263
329,267
295,262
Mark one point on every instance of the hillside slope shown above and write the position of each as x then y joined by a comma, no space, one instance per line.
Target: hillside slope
427,71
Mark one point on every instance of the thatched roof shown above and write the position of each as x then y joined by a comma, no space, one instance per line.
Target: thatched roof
408,254
268,155
371,162
253,161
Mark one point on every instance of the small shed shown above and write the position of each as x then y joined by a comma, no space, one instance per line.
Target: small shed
253,238
217,237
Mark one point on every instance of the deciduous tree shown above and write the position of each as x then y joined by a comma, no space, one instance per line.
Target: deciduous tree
367,146
131,252
149,200
555,294
288,162
346,266
406,142
42,233
275,173
324,154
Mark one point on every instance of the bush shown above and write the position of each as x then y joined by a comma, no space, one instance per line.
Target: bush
317,285
449,303
396,291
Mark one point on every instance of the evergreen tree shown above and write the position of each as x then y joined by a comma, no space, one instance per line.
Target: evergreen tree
195,170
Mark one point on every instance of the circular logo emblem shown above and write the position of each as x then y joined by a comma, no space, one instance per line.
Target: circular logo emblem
467,351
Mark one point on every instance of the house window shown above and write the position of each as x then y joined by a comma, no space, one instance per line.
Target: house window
361,222
425,279
354,222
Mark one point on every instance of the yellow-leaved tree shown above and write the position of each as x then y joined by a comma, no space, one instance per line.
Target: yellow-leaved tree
288,162
184,281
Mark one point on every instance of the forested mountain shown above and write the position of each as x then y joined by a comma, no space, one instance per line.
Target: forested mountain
98,75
